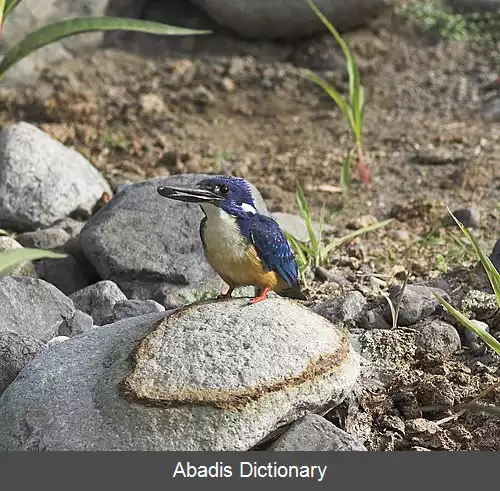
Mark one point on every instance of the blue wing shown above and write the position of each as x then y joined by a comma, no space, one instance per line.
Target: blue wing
273,248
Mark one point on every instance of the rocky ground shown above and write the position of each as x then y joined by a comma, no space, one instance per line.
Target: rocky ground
431,138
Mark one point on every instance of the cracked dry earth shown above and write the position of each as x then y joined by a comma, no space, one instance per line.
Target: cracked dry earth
426,143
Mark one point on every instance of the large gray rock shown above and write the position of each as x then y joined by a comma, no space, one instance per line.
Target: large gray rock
32,307
273,19
214,376
313,433
16,352
42,180
30,15
150,245
98,300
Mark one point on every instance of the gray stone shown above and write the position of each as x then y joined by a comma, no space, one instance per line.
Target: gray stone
473,341
481,306
470,217
64,273
75,325
33,14
437,337
42,180
150,245
24,268
374,319
214,376
71,226
295,225
417,303
274,19
74,249
347,308
491,109
313,433
32,307
124,309
98,300
49,238
16,351
57,340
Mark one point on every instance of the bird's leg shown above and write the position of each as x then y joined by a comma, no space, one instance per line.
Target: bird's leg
226,295
262,296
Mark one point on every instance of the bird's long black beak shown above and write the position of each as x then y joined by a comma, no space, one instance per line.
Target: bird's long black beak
190,195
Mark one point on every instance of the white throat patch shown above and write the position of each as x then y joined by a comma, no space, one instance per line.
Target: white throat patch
248,208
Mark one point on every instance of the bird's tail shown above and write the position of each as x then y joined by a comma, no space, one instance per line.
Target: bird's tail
294,292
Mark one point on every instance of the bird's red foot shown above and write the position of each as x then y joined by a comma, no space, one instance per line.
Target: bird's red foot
262,296
225,296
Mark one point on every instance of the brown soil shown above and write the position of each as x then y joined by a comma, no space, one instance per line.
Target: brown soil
426,144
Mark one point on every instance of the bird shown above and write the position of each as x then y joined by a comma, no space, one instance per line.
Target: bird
244,246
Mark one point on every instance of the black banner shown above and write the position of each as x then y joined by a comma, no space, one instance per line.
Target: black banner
247,470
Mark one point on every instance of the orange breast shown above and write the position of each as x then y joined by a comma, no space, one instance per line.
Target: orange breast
244,269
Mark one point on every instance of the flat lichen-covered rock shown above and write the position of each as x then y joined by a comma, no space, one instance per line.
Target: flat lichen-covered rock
217,375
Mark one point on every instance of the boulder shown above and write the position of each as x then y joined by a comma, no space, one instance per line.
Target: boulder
32,307
149,245
279,19
42,180
217,375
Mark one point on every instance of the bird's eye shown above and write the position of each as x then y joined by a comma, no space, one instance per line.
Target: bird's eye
223,189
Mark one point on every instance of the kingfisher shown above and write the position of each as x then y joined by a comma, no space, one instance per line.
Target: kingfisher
245,247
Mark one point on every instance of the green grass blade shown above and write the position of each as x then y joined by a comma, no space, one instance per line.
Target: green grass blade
352,66
306,216
317,252
345,174
479,408
336,243
9,6
66,28
485,336
333,94
10,258
298,248
302,202
491,271
300,251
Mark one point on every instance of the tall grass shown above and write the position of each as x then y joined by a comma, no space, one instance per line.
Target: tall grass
352,107
315,251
